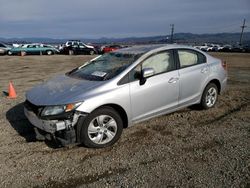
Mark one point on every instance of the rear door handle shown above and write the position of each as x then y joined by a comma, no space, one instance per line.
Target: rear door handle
173,80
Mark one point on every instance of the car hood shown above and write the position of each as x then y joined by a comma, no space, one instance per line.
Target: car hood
61,90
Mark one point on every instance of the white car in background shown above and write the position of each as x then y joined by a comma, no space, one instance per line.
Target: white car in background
4,48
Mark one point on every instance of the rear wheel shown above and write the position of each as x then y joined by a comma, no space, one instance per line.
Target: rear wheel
209,96
49,52
101,128
23,53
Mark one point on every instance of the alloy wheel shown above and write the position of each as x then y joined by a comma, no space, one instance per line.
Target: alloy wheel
211,97
102,129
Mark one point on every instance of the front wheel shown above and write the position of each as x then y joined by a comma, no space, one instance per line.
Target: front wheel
209,96
92,52
101,128
9,53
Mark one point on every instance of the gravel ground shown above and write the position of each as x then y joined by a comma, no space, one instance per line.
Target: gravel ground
188,148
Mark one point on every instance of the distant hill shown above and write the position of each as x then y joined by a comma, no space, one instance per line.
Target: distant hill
189,38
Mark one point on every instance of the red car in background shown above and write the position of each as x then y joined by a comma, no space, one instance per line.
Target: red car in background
110,48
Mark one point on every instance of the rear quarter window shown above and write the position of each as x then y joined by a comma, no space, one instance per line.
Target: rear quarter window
189,58
201,58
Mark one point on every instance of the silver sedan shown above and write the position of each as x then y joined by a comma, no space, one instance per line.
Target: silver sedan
94,102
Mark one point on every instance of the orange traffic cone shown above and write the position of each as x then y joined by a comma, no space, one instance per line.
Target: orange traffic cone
12,92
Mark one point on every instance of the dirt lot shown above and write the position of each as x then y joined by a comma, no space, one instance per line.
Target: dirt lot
189,148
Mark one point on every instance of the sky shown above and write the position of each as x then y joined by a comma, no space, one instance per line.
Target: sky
119,18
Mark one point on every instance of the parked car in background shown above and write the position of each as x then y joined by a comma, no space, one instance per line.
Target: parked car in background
110,48
203,47
246,48
93,103
238,48
213,48
77,48
77,42
235,48
4,48
33,49
226,48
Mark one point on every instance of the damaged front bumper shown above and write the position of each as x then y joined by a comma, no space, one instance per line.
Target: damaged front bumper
50,126
63,131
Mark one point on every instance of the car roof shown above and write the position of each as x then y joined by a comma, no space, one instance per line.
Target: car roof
142,49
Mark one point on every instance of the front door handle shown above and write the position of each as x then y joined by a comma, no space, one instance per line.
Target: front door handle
173,80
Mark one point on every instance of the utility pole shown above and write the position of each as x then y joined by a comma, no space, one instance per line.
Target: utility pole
172,33
242,30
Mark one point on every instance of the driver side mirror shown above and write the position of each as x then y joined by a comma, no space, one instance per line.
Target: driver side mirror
146,72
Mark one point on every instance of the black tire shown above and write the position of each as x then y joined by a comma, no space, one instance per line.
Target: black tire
204,100
84,123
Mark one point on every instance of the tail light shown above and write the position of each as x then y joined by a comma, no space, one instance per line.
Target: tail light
224,64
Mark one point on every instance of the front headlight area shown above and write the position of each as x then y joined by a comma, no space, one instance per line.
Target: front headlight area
59,110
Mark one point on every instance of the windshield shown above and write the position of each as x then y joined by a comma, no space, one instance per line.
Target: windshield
105,67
